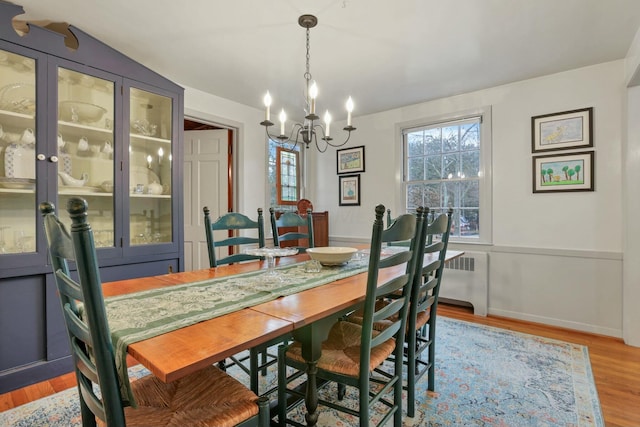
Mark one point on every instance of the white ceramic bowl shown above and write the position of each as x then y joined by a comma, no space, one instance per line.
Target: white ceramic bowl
331,255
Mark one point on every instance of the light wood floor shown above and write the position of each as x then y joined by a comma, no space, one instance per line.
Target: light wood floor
616,368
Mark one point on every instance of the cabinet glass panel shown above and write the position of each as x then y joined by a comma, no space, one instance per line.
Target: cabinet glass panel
150,168
17,153
86,148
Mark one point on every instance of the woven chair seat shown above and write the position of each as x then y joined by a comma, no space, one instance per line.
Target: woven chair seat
421,318
341,350
205,398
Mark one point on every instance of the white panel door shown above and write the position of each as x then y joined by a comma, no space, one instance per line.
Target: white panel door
205,184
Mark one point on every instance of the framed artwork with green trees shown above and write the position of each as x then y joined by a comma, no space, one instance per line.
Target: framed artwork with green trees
563,172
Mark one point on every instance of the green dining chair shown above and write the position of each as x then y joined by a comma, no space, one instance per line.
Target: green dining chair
389,219
303,228
352,353
259,358
232,222
208,397
421,321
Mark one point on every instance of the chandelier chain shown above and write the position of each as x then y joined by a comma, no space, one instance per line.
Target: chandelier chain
307,74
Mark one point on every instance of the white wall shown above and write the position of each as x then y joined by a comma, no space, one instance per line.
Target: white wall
558,257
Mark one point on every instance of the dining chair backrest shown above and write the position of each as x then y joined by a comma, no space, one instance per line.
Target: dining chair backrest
84,313
303,228
437,241
232,222
389,219
405,227
422,309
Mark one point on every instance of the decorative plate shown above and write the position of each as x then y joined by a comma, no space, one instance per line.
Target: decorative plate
18,97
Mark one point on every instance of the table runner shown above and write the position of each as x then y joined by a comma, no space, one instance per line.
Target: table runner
142,315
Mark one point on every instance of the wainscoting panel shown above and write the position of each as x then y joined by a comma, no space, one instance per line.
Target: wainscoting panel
579,290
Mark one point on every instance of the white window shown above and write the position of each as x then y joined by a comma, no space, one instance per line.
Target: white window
446,164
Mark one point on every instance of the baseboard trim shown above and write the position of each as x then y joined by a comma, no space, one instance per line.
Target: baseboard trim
578,326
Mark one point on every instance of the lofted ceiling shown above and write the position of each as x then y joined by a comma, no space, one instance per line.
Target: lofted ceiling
385,54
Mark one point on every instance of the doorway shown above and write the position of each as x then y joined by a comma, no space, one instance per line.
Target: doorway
208,181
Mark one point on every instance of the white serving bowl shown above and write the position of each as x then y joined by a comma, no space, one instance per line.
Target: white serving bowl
331,255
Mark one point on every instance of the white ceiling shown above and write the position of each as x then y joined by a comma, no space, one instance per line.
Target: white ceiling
383,53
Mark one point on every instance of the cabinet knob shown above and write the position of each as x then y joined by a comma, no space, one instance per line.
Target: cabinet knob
53,159
41,156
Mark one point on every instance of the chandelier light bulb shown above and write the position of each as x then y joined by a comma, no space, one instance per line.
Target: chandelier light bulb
267,103
349,110
327,123
313,94
283,119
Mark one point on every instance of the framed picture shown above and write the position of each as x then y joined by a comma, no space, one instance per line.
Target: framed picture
563,172
350,160
561,131
349,190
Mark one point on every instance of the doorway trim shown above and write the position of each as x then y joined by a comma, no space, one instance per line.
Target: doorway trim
236,128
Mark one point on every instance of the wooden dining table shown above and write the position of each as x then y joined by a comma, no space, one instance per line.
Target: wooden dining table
308,315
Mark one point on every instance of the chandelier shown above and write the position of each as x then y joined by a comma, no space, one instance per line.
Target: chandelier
311,129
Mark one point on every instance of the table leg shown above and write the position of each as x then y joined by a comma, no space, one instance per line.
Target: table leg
311,395
311,338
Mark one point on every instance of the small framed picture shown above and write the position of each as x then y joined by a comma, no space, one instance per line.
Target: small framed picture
561,131
563,172
349,190
350,160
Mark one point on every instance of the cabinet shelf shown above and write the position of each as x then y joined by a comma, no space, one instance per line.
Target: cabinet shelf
96,193
16,191
17,116
150,196
17,121
79,130
135,136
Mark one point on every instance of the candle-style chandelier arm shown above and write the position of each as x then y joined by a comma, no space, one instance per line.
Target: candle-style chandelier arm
306,134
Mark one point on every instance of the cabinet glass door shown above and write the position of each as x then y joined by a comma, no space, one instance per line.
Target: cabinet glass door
150,164
85,143
17,153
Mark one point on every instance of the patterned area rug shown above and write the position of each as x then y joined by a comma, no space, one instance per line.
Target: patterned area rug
484,377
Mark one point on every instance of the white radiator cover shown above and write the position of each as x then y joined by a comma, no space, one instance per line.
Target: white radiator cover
466,278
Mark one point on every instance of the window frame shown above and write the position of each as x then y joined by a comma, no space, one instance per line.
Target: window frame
271,175
484,180
296,154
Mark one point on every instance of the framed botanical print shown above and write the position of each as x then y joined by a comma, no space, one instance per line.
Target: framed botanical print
349,190
563,172
350,160
561,131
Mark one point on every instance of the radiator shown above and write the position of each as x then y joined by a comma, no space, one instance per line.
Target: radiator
466,279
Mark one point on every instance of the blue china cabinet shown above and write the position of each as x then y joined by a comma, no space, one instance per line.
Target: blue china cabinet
78,118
